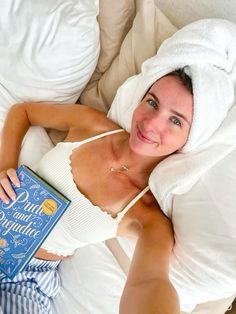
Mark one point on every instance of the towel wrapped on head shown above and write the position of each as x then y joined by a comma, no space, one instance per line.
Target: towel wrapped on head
206,50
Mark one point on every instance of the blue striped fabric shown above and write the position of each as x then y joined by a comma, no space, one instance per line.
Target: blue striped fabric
30,292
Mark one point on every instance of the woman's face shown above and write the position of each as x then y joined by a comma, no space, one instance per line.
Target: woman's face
162,121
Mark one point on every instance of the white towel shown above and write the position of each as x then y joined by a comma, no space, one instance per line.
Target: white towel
207,51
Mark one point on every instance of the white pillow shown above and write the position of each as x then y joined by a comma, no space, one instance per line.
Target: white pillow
35,145
49,49
203,265
48,52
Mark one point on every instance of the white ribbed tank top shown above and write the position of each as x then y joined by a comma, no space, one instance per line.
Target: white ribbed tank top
82,223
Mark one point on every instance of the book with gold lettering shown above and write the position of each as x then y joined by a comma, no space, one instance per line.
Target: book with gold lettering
26,222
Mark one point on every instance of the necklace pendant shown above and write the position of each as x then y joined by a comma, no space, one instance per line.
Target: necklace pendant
122,168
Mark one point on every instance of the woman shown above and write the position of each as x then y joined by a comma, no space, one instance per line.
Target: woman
102,168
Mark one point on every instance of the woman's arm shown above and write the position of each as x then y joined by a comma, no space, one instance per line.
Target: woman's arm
148,288
21,116
62,117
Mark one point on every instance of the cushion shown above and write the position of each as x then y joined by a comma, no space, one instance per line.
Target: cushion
36,141
184,12
151,27
49,50
115,20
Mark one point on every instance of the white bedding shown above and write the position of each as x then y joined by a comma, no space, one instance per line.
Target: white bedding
92,282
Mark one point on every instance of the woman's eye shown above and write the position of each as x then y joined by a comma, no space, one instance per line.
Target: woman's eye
176,121
152,103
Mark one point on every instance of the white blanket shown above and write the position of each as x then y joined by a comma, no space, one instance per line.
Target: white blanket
206,50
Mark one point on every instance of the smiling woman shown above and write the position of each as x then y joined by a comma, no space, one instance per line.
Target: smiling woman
121,167
107,203
164,117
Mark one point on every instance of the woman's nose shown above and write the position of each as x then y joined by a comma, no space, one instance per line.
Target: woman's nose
155,122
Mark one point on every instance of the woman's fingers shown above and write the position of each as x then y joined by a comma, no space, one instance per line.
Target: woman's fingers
13,176
6,189
3,196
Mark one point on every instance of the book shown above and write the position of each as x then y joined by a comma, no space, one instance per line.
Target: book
27,221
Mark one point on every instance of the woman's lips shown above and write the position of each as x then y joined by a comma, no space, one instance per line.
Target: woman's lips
144,138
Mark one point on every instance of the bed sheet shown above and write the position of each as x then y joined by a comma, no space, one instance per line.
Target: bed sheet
91,282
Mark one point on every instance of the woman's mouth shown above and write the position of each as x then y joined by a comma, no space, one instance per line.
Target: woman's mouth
142,137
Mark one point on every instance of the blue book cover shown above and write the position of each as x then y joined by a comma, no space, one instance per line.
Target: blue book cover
26,222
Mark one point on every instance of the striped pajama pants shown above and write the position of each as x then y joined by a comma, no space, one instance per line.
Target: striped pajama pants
30,291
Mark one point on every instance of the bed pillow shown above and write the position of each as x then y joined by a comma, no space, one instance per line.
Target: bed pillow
35,145
185,12
150,27
48,52
115,20
203,264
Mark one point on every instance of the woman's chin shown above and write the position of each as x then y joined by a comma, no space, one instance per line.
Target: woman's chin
142,151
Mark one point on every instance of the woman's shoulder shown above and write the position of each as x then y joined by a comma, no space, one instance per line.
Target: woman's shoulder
96,122
145,214
146,210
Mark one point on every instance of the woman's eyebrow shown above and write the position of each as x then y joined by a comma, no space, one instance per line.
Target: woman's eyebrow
181,116
172,111
154,96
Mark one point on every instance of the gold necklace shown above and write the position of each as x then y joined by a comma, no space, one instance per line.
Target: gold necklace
122,168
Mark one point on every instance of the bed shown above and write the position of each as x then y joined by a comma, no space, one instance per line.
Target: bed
82,51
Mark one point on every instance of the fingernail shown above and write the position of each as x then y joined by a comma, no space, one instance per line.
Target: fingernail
7,201
13,198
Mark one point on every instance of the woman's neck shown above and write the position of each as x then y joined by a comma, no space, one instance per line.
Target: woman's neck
135,163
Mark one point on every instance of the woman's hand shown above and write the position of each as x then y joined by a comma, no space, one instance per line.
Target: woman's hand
7,178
